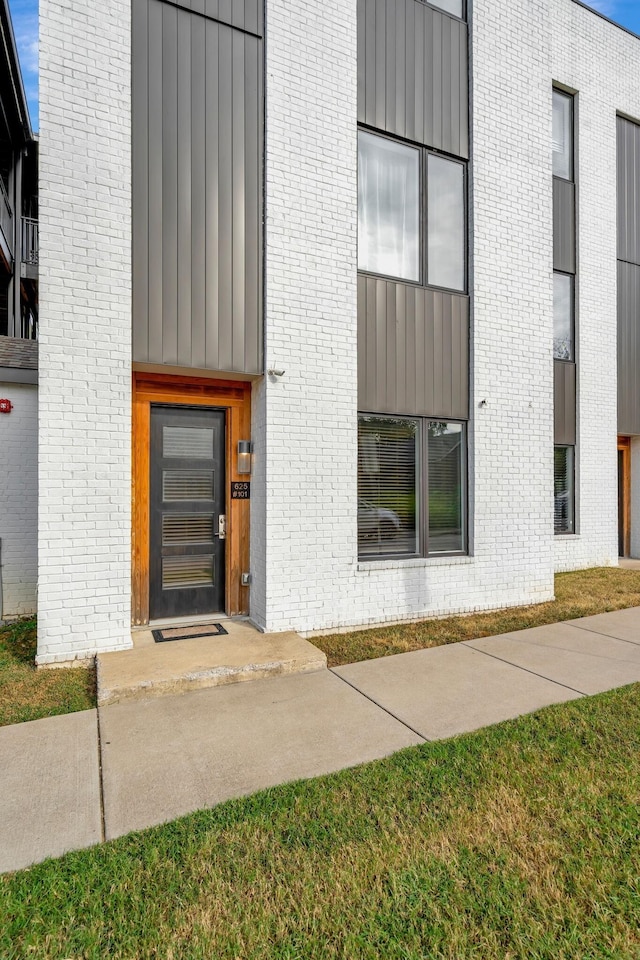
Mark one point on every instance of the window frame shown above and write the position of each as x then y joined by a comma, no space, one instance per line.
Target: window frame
422,490
572,490
423,217
572,318
557,91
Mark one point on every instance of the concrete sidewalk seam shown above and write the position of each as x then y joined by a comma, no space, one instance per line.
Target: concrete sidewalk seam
103,823
545,646
380,706
517,666
598,633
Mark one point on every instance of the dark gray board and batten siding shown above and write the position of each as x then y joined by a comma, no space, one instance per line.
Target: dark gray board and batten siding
628,169
564,225
564,402
197,185
413,73
412,350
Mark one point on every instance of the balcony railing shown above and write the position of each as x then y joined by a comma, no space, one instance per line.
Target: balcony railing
6,217
30,241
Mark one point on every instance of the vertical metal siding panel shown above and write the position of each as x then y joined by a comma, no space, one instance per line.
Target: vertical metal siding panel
463,113
225,199
564,235
399,70
628,348
184,307
140,191
198,193
621,155
400,352
390,61
362,344
380,76
416,79
564,390
424,340
455,83
371,318
424,398
370,42
226,12
212,137
391,393
381,344
239,203
362,60
252,158
445,75
170,185
410,348
412,22
155,119
436,82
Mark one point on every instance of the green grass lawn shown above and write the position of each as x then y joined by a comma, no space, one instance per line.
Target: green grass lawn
29,694
519,841
578,594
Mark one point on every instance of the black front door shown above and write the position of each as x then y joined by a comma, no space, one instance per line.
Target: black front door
187,499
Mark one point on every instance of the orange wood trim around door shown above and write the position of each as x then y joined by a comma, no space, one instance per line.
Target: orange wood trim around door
235,398
624,444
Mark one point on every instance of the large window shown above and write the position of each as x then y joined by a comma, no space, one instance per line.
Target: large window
411,487
563,490
562,135
411,213
563,316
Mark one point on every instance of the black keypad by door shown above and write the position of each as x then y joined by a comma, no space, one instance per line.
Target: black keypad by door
187,499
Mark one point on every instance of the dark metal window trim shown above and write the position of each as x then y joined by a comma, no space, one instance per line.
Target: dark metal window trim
572,278
424,213
422,491
434,6
572,122
573,448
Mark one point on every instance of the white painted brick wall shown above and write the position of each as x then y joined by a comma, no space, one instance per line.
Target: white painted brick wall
85,328
602,63
19,500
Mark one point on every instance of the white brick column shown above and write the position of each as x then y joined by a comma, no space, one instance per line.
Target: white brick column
305,423
85,328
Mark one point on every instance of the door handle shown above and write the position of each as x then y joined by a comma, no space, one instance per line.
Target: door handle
222,527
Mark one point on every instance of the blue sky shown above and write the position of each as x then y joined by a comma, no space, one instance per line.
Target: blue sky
25,23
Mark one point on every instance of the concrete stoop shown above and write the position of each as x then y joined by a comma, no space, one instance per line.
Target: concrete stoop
153,669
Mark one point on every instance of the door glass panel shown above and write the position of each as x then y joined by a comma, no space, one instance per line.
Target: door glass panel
187,528
179,573
187,485
187,443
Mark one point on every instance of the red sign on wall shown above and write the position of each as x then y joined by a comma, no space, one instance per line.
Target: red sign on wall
6,406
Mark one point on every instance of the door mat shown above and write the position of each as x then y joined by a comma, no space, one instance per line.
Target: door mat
202,631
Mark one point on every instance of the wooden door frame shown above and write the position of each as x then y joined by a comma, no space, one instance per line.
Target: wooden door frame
235,398
624,445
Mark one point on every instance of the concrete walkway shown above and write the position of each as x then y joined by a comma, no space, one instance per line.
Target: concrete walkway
68,782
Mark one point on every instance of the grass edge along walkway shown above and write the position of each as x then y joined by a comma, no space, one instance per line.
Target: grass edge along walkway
580,593
27,693
515,842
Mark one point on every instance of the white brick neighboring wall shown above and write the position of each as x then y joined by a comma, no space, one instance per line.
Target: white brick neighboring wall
19,500
602,63
85,328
